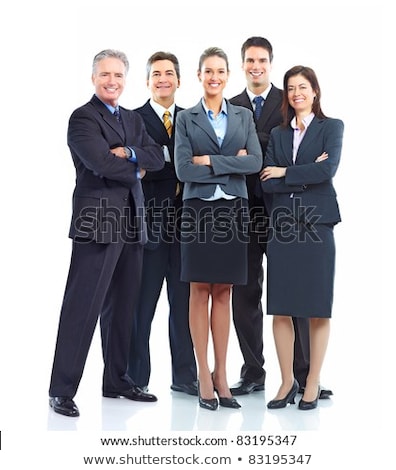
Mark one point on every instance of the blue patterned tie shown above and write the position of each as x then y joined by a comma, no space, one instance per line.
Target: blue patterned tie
258,101
117,114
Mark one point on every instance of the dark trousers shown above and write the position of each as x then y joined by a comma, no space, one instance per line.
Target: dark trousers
248,313
301,350
159,264
103,280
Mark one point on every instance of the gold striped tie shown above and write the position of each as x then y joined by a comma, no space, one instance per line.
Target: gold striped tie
167,123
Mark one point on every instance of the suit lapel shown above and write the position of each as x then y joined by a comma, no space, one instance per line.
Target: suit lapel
156,124
108,117
310,135
270,104
287,145
245,100
232,124
201,120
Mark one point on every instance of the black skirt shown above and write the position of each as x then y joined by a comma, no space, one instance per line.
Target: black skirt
214,241
300,271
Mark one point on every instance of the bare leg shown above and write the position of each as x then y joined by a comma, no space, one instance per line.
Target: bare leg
220,324
199,328
284,343
319,338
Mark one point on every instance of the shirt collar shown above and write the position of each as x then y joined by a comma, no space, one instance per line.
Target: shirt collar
159,109
307,121
108,106
265,93
209,112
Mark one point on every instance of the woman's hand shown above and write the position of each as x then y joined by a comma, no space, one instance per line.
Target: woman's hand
323,156
272,172
201,160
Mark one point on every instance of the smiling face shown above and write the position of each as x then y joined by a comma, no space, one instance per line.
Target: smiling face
213,75
300,94
109,80
163,82
257,67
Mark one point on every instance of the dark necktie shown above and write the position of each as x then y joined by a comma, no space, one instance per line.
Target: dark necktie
117,114
258,101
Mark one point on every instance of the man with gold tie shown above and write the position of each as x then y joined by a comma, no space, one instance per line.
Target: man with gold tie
161,259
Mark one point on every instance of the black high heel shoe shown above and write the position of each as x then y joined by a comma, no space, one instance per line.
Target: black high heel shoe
309,405
226,402
289,398
207,403
229,402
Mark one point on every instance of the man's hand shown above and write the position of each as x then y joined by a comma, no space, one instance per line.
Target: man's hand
119,152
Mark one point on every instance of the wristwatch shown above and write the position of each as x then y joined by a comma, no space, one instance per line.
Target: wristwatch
128,152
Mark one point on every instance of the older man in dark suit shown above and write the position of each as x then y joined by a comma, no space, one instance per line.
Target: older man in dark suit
111,151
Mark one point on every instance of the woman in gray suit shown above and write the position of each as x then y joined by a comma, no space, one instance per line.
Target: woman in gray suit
301,159
216,145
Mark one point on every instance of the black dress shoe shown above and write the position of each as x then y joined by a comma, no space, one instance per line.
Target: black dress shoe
244,387
309,405
64,406
324,394
225,401
134,393
207,403
190,389
289,398
229,402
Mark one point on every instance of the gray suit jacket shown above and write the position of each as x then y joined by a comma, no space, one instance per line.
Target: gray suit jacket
195,136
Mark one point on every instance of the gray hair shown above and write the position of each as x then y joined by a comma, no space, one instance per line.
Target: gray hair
110,53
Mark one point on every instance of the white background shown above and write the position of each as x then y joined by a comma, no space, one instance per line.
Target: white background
47,52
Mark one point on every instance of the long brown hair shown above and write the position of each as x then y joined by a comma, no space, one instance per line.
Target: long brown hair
310,75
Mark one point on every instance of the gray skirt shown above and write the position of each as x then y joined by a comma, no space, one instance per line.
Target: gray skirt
214,241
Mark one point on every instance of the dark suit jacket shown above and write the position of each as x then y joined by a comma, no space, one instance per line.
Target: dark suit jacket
159,187
307,180
108,191
195,136
269,118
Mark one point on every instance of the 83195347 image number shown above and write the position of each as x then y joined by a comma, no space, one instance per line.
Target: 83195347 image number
279,459
266,440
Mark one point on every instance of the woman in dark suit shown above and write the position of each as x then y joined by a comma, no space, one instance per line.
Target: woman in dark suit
301,159
216,145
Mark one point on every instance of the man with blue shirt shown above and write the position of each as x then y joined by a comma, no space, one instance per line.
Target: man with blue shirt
111,151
